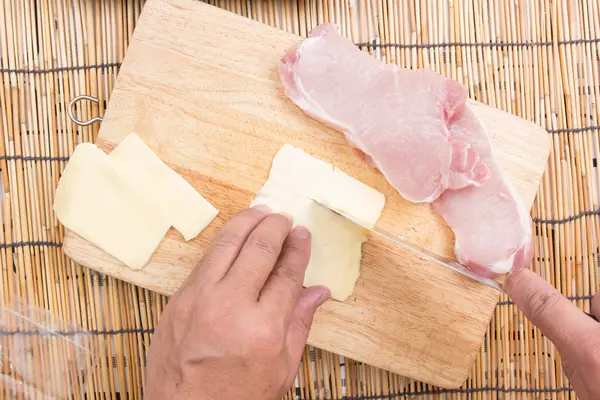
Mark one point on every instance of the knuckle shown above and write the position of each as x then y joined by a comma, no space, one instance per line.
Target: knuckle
229,240
263,246
289,274
298,248
541,301
268,336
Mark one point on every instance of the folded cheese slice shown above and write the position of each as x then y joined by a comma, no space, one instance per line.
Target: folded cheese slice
105,205
125,203
295,179
190,211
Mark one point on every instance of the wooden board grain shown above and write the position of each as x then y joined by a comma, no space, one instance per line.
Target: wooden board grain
199,85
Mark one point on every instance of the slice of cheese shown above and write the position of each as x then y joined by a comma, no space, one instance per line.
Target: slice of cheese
126,202
107,206
190,211
294,180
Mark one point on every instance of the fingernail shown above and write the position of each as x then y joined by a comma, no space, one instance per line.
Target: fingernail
301,232
263,208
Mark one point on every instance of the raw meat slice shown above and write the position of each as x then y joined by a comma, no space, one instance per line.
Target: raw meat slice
491,226
466,167
405,137
416,128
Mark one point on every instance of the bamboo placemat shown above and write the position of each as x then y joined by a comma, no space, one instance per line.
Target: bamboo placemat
536,59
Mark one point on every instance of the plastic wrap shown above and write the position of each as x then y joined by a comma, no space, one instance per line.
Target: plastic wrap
42,356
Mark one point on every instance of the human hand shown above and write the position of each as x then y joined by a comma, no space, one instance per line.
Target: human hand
575,334
237,327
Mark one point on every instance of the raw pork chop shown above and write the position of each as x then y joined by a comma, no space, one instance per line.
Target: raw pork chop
415,127
491,226
405,137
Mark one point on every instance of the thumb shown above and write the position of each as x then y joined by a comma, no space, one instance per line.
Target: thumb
308,302
558,318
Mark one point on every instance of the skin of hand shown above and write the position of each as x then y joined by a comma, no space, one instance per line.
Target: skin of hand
575,334
237,327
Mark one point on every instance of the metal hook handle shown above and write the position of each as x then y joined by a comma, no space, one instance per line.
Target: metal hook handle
74,119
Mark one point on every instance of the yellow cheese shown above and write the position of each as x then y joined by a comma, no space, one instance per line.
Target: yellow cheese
126,202
106,206
190,212
296,178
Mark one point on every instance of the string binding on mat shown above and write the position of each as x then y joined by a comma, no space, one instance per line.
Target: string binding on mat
30,243
34,158
36,71
567,219
93,332
445,391
375,45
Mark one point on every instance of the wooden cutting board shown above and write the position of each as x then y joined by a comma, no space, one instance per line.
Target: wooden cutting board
199,85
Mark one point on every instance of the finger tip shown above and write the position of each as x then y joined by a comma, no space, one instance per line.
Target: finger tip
322,299
263,208
287,216
317,291
301,232
322,294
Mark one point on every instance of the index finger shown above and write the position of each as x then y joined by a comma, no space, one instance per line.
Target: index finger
282,289
228,244
258,256
558,318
